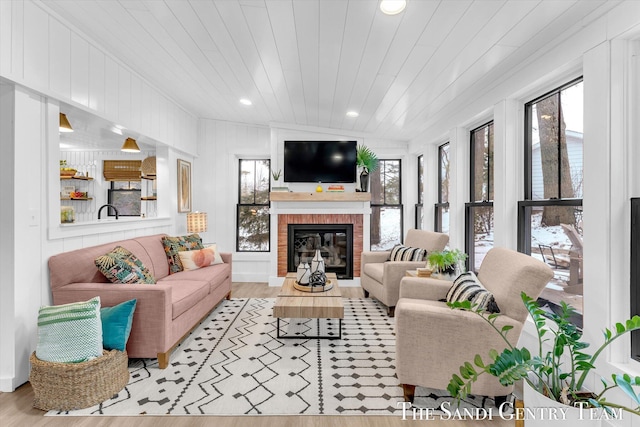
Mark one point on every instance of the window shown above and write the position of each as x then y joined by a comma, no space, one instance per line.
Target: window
479,211
442,207
253,230
419,207
125,196
550,217
386,205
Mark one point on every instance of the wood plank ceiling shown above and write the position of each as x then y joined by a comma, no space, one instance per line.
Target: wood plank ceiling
308,62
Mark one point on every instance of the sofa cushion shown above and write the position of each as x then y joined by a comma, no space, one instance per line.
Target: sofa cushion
173,245
70,332
116,325
187,293
215,275
198,258
407,253
121,266
467,287
375,270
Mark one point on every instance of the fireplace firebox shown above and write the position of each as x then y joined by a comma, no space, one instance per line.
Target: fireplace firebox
335,242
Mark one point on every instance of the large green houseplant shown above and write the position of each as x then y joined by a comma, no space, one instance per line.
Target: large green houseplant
559,367
368,162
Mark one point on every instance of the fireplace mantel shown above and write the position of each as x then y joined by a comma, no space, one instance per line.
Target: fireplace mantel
286,196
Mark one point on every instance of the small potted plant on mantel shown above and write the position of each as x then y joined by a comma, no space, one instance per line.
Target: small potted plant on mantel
275,174
557,371
367,162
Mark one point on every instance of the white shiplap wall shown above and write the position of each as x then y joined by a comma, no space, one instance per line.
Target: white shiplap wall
40,51
51,62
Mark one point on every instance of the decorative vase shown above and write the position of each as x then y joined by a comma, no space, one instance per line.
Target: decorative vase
302,273
317,263
537,408
364,180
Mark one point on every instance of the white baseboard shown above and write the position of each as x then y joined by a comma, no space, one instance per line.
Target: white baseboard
7,385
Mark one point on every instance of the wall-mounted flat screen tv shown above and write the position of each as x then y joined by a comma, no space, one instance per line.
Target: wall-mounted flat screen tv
320,161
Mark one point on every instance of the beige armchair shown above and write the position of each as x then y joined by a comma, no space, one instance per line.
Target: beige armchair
433,340
381,279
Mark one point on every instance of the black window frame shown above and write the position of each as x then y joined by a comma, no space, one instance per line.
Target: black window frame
420,205
528,204
441,205
384,204
114,189
241,205
473,204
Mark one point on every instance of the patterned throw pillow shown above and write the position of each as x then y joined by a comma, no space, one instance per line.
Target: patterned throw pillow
121,266
173,245
467,287
407,253
193,260
70,333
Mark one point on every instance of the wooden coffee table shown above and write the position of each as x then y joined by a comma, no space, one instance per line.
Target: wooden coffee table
294,304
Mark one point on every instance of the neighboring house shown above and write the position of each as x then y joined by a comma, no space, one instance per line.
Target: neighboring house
574,148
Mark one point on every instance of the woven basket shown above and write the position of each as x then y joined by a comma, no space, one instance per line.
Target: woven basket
148,167
69,386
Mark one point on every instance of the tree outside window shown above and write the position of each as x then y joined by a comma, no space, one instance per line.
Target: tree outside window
253,231
442,207
479,211
386,205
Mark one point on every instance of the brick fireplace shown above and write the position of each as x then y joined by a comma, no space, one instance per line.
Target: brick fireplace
315,208
319,219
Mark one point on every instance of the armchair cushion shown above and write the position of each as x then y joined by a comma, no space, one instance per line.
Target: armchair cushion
407,253
467,287
375,270
427,288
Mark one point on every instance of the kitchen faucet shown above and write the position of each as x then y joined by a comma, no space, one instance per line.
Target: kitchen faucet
109,206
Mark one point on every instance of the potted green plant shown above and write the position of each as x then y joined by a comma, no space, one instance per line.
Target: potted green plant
367,162
445,262
559,367
276,174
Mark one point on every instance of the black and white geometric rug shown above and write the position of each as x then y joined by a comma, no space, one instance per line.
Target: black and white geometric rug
234,364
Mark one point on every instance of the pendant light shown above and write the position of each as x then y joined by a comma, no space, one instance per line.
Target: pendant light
65,126
130,146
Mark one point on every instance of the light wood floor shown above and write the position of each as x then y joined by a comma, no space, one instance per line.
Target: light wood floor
16,408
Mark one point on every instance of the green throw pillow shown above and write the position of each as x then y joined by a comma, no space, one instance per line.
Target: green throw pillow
173,245
116,325
121,266
70,333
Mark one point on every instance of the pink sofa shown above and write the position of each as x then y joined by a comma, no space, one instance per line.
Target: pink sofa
165,312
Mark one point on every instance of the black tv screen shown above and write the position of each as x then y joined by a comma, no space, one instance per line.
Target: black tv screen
320,161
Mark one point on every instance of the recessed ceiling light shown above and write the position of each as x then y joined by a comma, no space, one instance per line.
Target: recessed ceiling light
352,114
245,101
392,7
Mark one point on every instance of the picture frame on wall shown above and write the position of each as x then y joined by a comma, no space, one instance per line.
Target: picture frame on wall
184,186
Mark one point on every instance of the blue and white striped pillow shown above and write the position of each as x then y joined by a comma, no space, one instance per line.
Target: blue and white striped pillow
407,253
467,287
70,333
